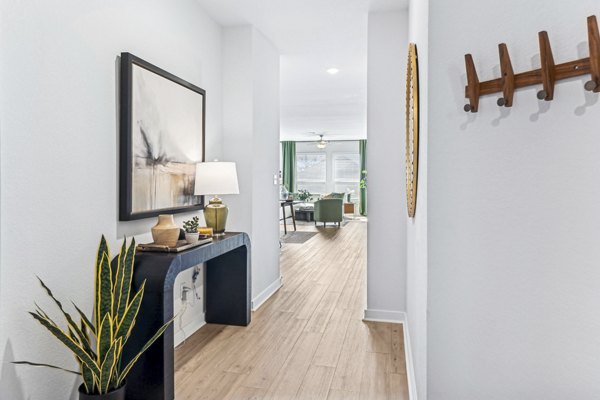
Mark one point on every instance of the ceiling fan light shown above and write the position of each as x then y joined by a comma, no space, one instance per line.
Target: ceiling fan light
322,143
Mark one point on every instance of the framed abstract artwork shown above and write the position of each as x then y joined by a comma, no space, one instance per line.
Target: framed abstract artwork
162,119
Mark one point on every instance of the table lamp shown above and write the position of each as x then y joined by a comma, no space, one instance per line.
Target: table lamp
216,178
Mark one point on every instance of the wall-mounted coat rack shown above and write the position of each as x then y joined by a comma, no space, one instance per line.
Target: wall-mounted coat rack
547,75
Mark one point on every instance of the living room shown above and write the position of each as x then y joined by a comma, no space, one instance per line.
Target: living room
319,171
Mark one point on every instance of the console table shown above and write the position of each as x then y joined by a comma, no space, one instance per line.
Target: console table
227,286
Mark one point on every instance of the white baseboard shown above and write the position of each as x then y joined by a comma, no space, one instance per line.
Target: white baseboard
398,317
188,330
263,296
394,317
410,367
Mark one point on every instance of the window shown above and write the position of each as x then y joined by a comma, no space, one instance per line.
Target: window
346,174
328,171
311,172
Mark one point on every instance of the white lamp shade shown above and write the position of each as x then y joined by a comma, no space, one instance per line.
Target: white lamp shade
216,178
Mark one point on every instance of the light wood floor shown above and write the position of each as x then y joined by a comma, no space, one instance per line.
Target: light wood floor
308,341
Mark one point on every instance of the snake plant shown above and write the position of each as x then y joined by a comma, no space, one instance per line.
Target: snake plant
97,343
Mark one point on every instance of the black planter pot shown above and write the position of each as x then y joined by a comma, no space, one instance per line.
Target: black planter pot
117,394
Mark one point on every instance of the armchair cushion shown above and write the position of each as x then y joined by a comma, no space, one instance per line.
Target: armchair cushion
334,195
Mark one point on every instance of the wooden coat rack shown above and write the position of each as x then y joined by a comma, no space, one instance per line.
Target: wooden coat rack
547,75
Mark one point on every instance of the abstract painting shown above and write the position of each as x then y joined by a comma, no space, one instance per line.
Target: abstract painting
162,139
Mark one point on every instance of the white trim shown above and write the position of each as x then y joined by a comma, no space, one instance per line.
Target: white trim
266,294
394,317
398,317
410,367
188,331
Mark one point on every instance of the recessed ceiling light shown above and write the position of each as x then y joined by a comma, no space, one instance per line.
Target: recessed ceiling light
333,71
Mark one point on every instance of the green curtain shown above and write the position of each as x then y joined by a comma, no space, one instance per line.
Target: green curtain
362,149
288,151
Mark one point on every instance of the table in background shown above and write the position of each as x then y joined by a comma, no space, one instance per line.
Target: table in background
307,214
289,203
349,208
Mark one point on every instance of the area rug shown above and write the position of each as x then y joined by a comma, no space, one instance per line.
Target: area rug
297,237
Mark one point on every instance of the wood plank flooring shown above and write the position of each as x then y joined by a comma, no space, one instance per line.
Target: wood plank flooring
308,341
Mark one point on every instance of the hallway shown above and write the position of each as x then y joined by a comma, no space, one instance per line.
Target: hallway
308,341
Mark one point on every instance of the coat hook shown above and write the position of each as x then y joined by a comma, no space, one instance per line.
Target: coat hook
590,86
548,67
547,75
508,77
594,42
473,88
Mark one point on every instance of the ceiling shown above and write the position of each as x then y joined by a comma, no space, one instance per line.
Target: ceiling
313,36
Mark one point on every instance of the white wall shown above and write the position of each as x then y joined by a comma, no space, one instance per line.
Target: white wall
265,207
513,211
386,269
59,151
251,128
238,121
416,251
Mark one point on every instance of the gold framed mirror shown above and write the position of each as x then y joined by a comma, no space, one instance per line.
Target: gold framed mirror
412,129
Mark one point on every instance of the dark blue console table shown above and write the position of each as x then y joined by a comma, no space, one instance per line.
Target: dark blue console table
228,288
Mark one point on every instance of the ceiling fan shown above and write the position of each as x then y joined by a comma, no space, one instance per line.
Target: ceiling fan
321,143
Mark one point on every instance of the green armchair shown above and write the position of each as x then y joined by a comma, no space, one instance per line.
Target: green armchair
329,210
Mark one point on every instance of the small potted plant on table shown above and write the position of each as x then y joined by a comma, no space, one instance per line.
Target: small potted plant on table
191,230
303,195
97,343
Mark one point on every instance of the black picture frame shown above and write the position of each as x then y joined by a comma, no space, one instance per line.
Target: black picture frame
127,130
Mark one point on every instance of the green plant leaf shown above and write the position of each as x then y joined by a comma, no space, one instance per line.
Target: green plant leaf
106,296
102,250
108,366
105,338
118,280
72,324
146,347
128,321
127,272
114,380
41,315
40,312
85,332
73,336
68,342
85,320
45,365
89,381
